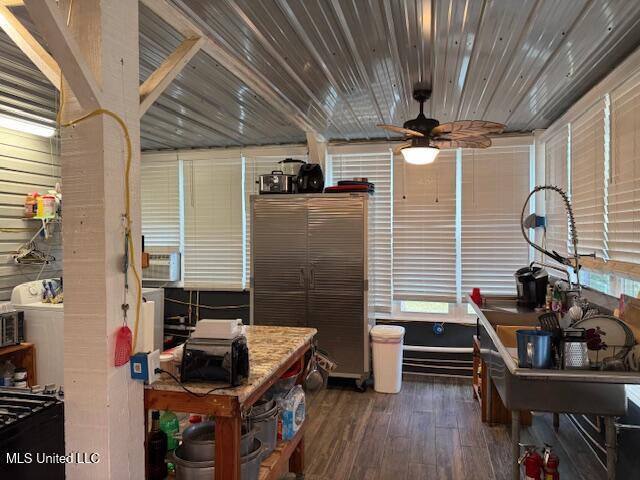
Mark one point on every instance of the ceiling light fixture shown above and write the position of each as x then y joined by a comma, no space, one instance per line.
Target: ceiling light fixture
26,126
420,155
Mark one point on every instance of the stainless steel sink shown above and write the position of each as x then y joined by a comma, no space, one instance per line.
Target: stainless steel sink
501,317
566,391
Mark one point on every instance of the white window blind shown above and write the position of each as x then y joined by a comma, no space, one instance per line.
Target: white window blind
213,221
261,161
495,184
160,201
377,167
424,243
624,189
587,179
556,174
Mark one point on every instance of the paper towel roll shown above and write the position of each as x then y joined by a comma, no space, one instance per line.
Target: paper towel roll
144,342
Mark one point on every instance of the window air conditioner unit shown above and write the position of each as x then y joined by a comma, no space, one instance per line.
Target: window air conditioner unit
163,267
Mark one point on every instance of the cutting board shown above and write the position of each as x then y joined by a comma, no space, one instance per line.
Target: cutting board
630,313
507,334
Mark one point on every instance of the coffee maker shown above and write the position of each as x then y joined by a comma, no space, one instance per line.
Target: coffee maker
531,284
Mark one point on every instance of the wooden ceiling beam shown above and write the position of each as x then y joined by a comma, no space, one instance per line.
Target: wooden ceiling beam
29,45
248,74
168,70
317,147
48,19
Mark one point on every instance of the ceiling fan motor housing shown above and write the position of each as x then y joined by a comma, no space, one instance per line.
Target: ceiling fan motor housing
421,123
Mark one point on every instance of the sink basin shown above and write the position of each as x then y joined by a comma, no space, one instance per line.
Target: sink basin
501,317
571,391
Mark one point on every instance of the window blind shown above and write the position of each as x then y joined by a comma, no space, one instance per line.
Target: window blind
160,202
624,188
377,167
495,184
587,179
424,243
261,161
555,158
213,221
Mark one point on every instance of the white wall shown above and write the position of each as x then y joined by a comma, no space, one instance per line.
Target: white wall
28,163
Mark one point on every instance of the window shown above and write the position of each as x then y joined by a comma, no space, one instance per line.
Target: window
160,200
432,234
412,306
624,188
424,230
376,165
556,173
604,187
587,179
495,184
213,243
260,161
610,283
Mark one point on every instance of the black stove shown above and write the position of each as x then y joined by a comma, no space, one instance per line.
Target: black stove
31,427
18,404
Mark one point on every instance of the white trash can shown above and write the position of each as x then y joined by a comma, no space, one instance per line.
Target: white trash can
387,343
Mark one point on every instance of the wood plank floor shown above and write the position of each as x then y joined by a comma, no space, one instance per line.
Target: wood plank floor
430,430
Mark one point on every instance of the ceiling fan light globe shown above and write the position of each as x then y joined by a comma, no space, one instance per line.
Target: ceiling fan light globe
420,155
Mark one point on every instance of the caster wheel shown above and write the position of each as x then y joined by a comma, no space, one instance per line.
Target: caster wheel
361,386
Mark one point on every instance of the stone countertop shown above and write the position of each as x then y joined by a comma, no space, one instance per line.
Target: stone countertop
269,349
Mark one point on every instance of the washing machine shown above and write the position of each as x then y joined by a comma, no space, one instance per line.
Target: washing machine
44,327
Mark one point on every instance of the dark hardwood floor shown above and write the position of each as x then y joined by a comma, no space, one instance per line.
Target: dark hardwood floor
430,430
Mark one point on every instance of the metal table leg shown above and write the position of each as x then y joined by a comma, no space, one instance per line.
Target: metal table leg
488,395
611,443
515,443
556,421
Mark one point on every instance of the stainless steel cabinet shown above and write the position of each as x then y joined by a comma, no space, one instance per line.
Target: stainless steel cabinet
309,268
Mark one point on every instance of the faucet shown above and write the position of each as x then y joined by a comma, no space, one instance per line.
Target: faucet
567,261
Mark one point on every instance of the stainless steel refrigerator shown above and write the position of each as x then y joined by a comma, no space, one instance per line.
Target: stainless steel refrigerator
309,264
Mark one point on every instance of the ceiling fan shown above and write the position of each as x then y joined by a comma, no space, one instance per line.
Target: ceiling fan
424,137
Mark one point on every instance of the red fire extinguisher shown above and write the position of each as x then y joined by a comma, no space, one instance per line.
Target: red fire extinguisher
551,463
532,462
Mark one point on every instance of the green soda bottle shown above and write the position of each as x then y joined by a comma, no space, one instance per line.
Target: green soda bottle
170,425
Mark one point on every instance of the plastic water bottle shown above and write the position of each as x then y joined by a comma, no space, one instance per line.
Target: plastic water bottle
170,425
7,373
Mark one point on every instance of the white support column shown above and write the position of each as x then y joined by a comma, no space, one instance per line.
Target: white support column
103,406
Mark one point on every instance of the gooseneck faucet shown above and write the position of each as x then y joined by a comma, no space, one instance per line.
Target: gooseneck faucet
569,262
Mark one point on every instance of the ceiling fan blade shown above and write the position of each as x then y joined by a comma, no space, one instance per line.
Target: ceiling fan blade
466,128
403,131
468,142
397,149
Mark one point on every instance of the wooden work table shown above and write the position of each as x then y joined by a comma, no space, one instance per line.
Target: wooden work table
272,351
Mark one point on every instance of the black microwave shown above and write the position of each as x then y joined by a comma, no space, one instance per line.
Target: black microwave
11,328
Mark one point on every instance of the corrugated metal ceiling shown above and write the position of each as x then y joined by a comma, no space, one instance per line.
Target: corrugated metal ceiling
24,91
349,64
206,105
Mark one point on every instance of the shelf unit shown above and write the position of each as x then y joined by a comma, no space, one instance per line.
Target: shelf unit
23,356
498,413
274,465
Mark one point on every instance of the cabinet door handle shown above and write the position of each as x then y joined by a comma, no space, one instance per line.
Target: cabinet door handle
302,275
312,278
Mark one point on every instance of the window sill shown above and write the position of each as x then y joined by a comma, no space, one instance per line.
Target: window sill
633,394
428,317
